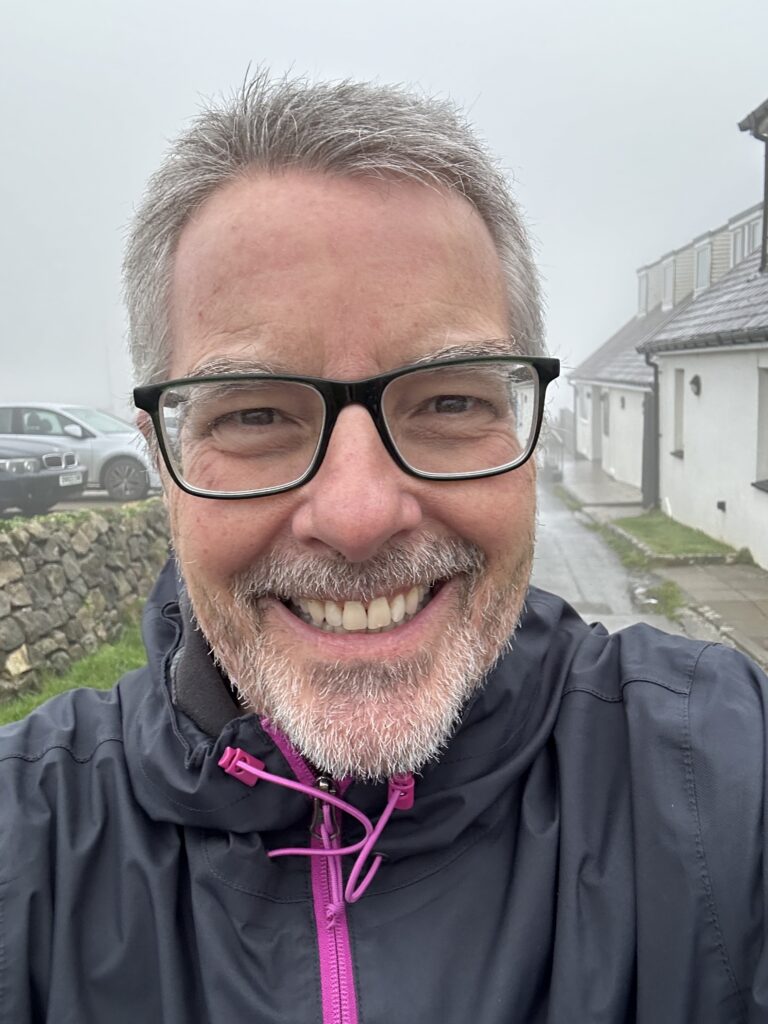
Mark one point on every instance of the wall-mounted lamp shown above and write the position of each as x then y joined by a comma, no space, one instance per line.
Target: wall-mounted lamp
695,384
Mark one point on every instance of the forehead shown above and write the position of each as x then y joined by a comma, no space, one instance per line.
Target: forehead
331,276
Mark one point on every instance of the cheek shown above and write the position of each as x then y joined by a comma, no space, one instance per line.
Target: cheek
216,539
497,514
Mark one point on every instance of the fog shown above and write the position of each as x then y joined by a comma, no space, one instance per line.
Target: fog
618,122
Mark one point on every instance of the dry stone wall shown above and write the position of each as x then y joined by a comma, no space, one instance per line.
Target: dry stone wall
66,582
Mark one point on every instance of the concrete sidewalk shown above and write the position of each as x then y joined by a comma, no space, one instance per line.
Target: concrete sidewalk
731,598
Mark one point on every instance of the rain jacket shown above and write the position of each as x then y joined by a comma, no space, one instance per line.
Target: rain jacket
589,849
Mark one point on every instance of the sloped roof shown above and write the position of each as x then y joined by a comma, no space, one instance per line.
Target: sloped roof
734,311
757,121
617,361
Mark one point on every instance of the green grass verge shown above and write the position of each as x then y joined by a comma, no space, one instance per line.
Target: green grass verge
630,556
99,670
664,536
669,599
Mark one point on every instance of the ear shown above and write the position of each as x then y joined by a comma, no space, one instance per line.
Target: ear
144,423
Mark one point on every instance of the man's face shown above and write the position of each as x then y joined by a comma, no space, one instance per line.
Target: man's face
348,278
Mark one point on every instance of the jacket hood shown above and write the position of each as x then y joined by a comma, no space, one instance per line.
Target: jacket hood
179,722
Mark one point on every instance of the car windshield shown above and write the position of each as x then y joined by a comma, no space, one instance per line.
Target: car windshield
101,422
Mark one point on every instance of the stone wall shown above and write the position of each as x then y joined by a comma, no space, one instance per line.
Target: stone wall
67,581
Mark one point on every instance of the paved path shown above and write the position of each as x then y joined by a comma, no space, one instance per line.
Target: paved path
726,602
575,563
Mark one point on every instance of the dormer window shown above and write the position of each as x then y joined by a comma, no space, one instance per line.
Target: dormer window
703,267
668,285
642,294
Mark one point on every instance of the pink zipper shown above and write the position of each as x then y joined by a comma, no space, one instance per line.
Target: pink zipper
337,983
329,895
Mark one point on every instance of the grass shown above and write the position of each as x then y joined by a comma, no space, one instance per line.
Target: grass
669,598
664,536
99,670
631,557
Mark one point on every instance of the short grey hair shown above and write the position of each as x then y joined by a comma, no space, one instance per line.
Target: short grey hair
352,129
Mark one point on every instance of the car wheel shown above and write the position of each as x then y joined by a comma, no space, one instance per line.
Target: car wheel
125,479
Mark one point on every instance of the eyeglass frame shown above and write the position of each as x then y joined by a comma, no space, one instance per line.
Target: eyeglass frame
336,396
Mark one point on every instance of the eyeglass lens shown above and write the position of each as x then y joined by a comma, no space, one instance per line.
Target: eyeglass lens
249,435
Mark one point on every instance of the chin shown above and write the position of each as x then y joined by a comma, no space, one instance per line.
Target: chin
364,718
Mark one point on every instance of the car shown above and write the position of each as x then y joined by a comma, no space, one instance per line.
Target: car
35,474
112,450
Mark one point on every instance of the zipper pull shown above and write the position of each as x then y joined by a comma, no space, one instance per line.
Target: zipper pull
324,783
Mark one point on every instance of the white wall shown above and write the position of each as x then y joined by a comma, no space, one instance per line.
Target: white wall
623,444
720,447
584,435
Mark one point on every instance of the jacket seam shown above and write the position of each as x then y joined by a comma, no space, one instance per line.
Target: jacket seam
704,876
252,892
32,758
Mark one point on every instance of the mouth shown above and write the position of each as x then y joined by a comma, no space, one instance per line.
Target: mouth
382,614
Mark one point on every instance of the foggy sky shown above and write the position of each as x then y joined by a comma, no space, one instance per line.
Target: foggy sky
617,120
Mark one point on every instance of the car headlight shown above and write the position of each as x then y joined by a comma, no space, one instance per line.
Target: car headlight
19,465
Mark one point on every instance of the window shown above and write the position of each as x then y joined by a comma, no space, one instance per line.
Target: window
642,296
679,399
703,267
737,246
755,235
668,285
41,421
605,405
761,480
6,415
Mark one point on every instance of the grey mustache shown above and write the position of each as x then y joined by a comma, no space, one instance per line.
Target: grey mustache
289,574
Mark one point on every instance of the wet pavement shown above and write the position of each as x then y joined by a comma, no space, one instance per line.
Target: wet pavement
575,563
726,602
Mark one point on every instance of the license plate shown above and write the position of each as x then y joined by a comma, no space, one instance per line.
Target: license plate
69,479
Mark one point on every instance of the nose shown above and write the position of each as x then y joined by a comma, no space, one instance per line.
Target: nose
359,499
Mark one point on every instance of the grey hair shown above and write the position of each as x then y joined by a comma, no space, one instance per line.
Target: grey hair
344,128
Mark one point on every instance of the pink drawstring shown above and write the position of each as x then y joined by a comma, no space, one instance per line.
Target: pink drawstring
249,769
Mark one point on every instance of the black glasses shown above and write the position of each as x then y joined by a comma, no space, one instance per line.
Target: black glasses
243,435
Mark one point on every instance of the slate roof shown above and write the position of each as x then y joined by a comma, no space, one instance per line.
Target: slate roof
617,361
734,311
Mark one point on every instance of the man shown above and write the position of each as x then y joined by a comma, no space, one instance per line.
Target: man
368,774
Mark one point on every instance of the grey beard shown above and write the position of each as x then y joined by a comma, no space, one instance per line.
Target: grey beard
367,719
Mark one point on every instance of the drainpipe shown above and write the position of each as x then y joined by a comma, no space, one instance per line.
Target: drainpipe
764,253
652,485
756,124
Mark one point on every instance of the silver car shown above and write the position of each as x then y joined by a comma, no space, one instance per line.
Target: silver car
112,450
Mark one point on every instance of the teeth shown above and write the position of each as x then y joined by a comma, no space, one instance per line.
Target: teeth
381,615
397,608
333,614
354,616
317,610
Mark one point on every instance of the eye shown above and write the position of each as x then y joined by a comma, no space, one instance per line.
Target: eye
452,403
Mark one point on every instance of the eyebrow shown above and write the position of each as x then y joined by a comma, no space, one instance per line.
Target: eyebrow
470,350
459,350
231,364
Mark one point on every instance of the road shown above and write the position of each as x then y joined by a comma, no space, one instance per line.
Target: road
574,562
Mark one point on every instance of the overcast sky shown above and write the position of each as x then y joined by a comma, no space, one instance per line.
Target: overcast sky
617,120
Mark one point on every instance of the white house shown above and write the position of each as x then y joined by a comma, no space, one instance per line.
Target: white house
614,387
712,361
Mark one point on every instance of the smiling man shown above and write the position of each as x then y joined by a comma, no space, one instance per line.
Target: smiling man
369,774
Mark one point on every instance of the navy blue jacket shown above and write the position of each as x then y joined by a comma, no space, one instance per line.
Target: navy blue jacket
589,849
